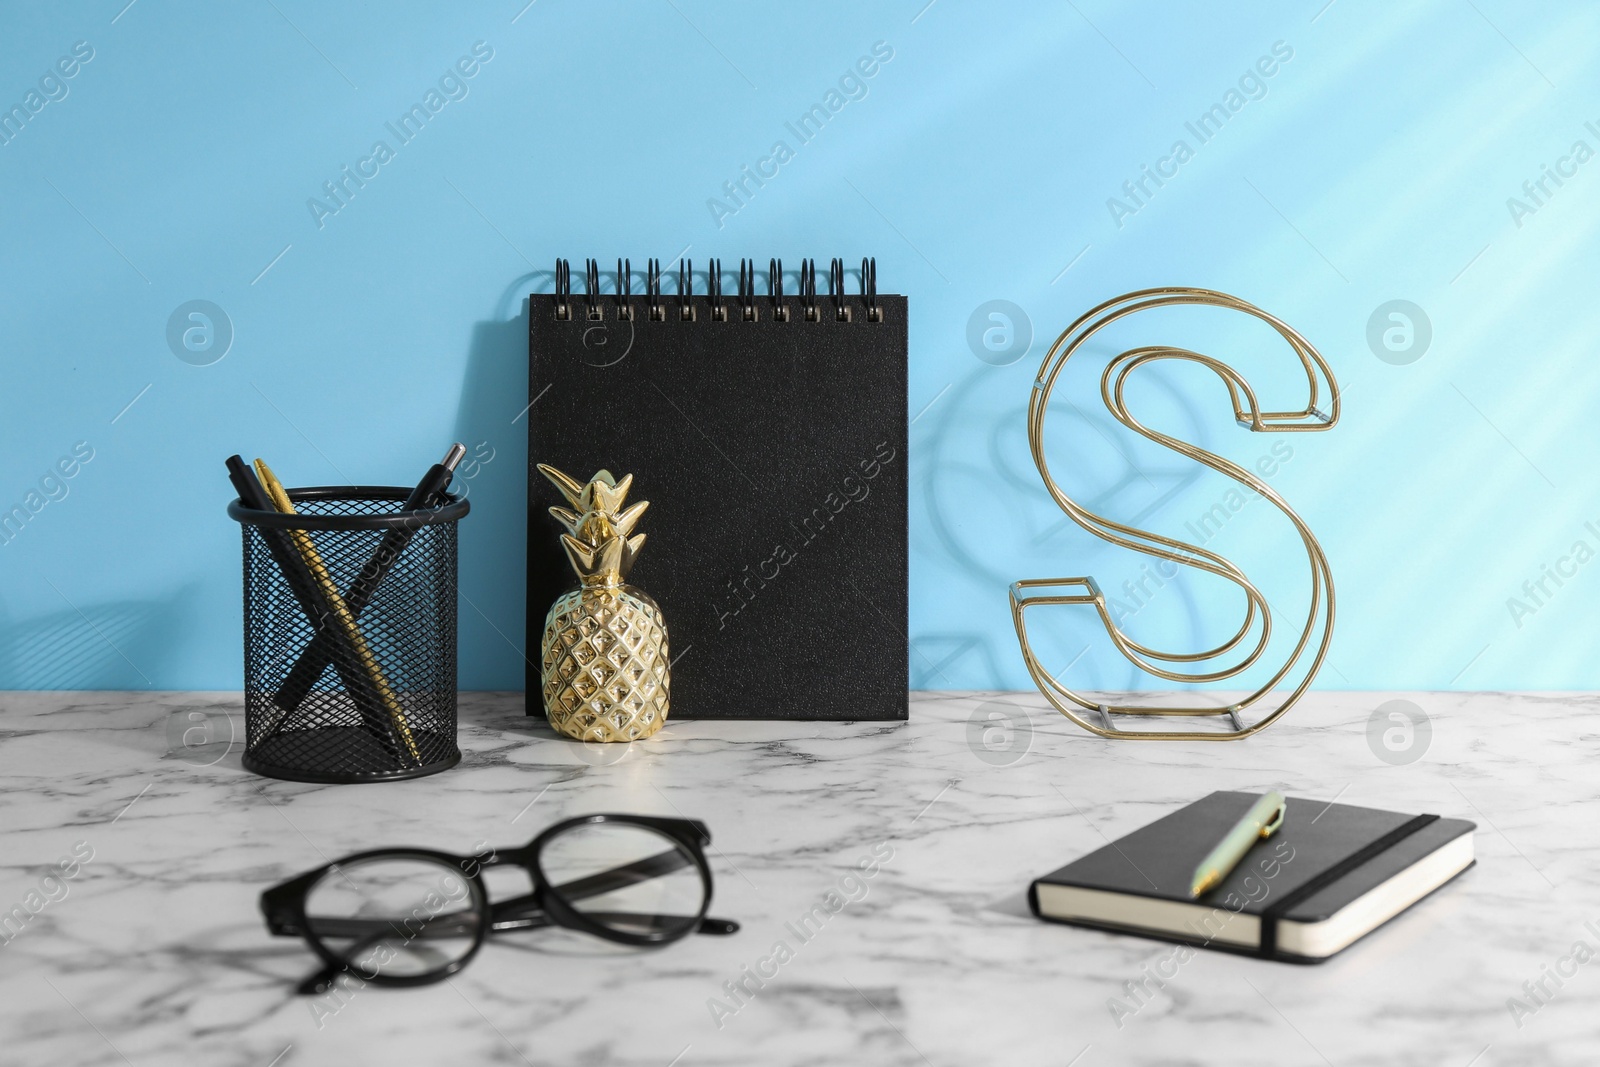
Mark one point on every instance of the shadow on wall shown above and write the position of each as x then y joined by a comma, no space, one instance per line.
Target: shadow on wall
110,645
492,421
988,455
931,653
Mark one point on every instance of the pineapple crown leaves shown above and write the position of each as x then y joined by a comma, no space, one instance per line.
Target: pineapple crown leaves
597,538
601,493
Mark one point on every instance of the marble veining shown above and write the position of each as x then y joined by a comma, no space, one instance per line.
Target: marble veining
154,952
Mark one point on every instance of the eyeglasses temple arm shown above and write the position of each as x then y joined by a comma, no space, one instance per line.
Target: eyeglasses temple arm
716,927
517,913
456,925
628,874
321,981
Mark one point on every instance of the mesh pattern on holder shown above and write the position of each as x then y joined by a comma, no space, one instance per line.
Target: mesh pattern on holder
328,705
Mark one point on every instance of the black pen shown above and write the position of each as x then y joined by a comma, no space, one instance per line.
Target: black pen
428,493
311,601
437,480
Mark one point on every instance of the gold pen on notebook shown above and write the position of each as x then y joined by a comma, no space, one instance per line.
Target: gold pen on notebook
1262,820
342,616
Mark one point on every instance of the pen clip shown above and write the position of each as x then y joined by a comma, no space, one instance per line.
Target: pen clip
1277,820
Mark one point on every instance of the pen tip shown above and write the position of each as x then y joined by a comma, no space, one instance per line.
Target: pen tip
453,457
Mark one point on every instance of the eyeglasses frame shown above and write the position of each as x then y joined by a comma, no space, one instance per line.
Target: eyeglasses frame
284,905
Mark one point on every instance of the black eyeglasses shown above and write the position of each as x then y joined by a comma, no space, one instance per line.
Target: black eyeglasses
408,916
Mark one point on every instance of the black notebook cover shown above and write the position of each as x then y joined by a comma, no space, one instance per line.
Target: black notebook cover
1158,861
773,454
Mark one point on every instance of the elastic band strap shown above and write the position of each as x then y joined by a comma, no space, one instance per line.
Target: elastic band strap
1325,878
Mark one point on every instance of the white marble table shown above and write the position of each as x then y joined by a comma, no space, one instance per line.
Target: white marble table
157,955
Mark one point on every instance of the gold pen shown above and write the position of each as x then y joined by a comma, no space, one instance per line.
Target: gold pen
341,612
1262,820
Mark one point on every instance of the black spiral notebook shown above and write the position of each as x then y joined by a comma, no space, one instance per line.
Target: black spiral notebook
768,431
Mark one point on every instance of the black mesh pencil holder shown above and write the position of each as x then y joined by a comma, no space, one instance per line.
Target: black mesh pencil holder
350,636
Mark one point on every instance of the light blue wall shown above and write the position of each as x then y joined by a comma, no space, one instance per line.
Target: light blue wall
1377,166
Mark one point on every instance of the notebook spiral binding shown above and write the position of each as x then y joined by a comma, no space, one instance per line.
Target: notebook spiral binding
746,299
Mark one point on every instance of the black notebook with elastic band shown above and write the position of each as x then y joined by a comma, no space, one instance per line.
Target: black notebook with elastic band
1329,876
767,428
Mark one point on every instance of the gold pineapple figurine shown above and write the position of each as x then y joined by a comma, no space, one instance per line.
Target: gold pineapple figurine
603,660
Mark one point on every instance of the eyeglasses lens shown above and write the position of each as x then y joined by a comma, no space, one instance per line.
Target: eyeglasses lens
395,917
631,879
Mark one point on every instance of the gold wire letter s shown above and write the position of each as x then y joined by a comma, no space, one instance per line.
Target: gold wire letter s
1248,643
